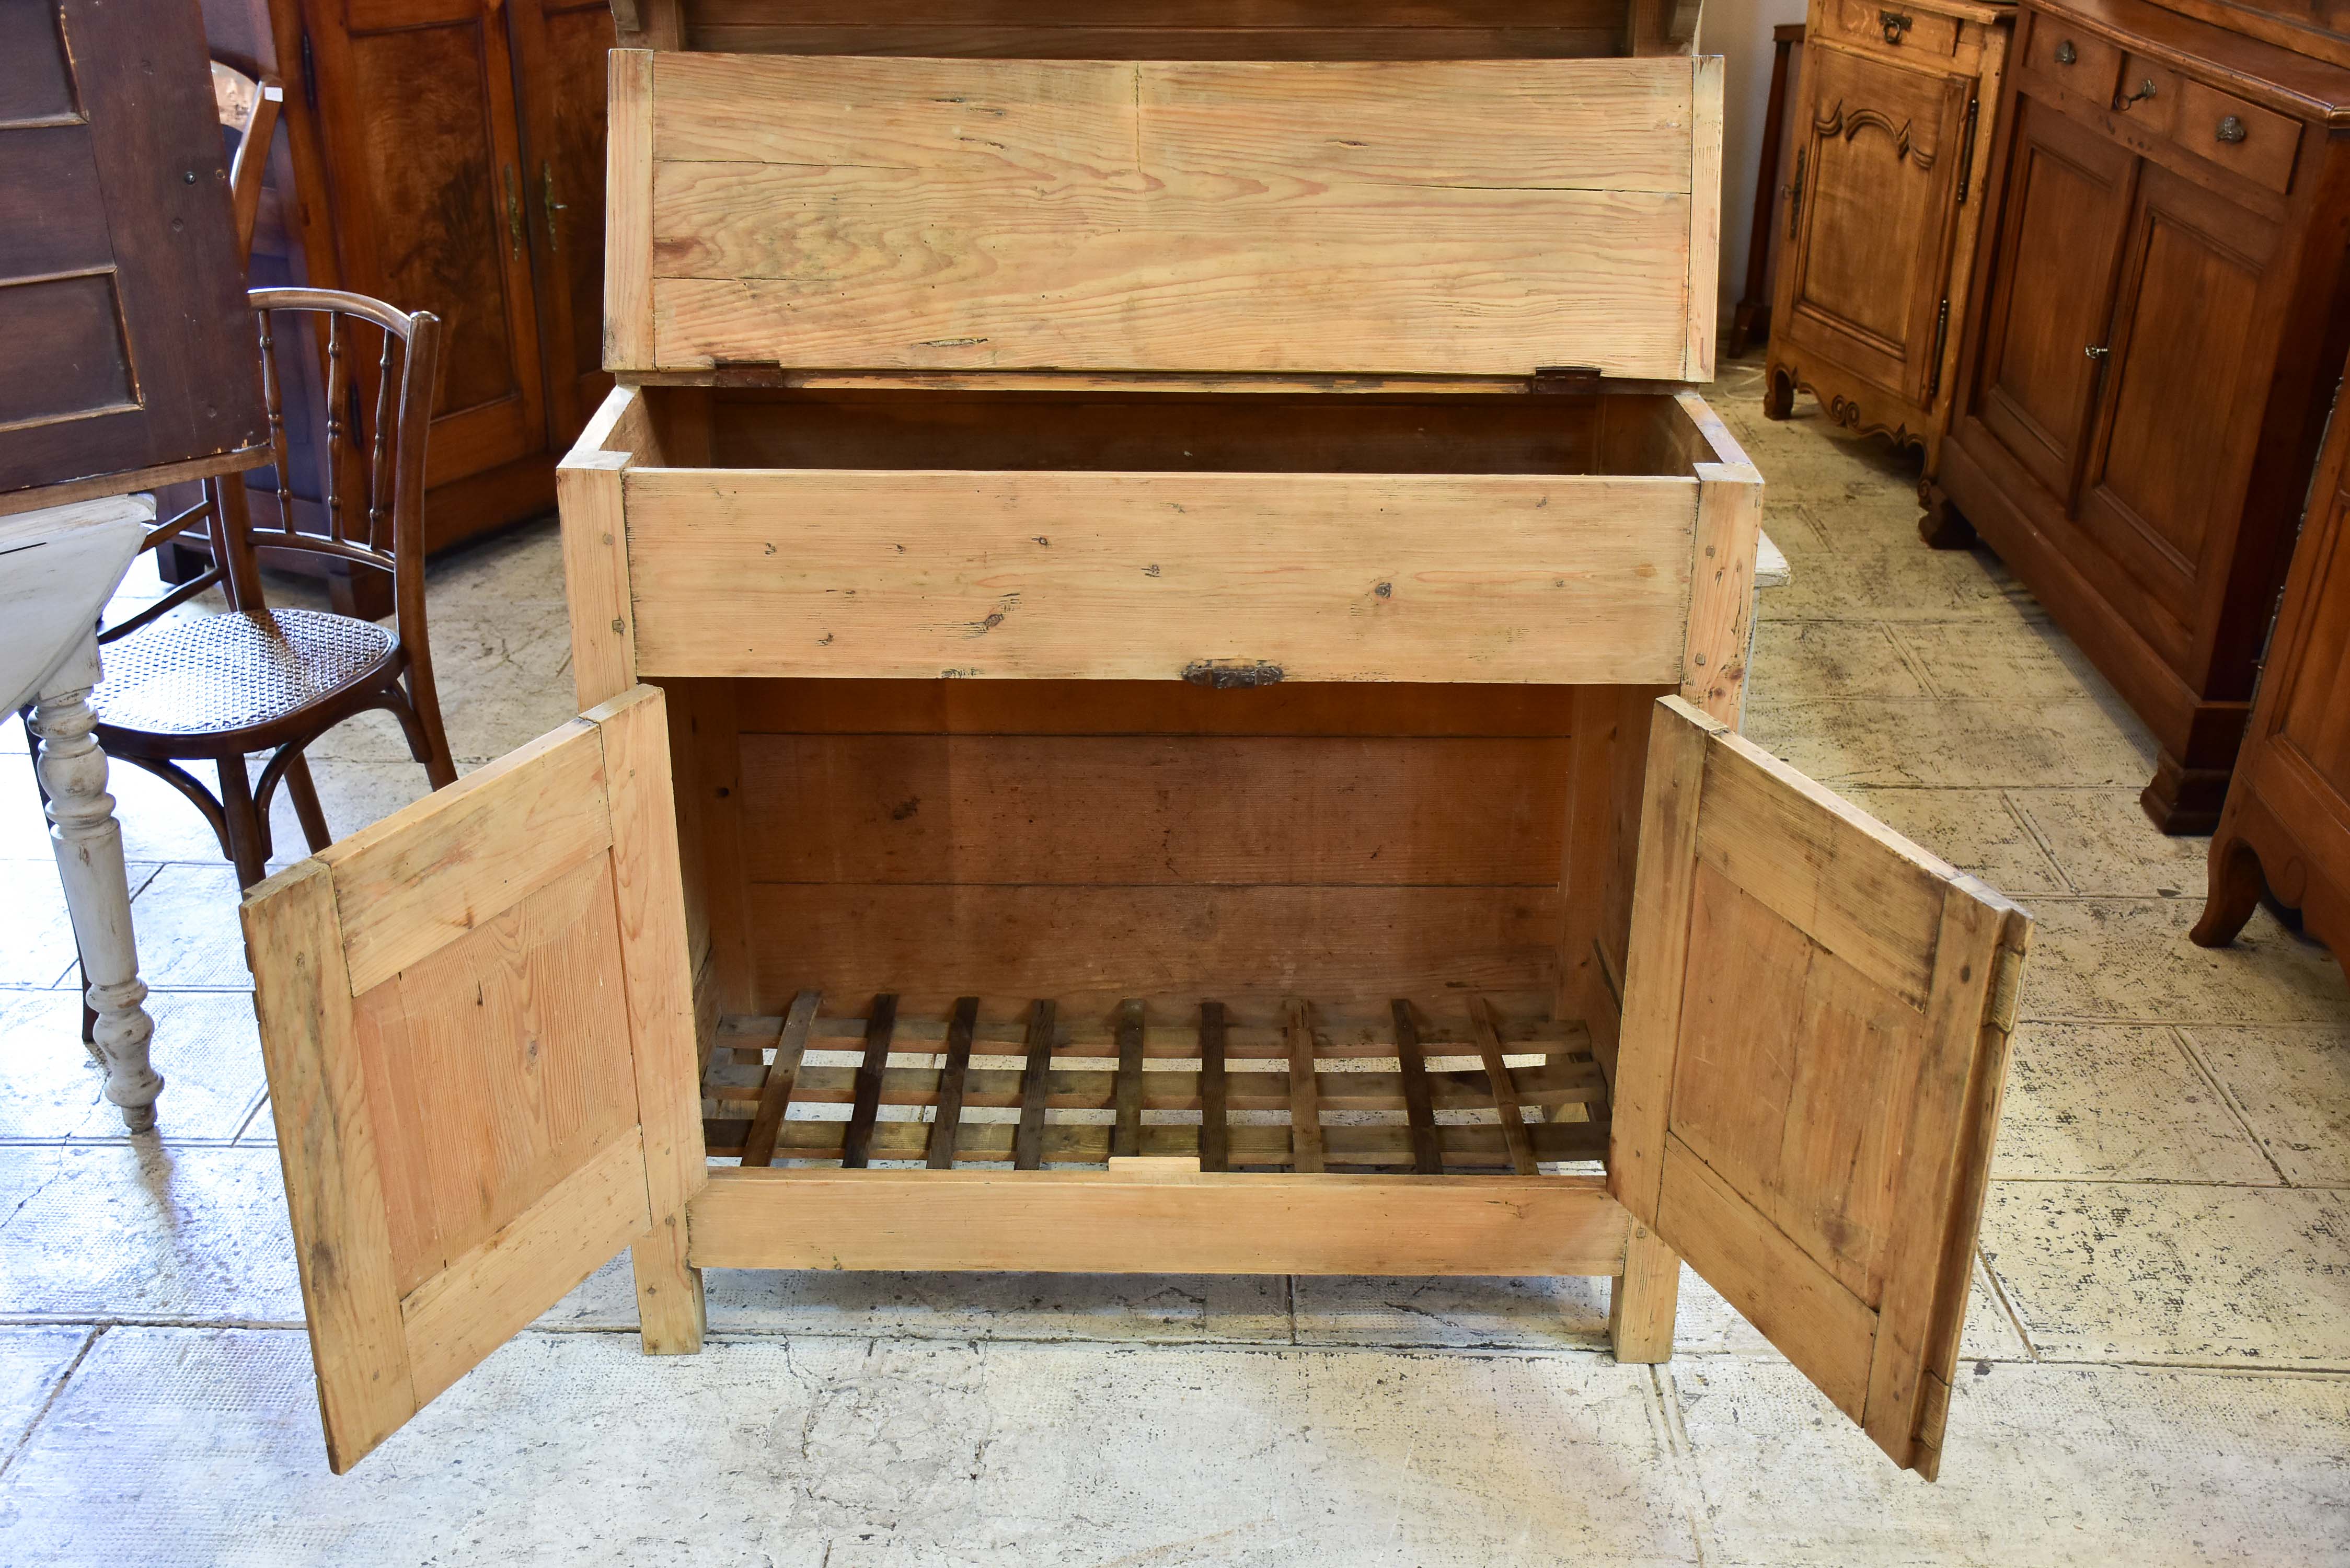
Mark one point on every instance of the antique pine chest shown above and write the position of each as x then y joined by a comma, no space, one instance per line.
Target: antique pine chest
1160,635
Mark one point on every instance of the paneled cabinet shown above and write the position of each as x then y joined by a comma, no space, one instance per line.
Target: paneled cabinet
2161,312
1882,208
2285,830
448,155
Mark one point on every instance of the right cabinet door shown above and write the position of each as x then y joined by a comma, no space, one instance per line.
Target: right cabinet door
2180,412
2051,290
1881,152
1815,1034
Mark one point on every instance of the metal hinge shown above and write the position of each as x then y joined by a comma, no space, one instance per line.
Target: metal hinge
1967,152
309,73
1795,196
2006,992
1566,377
1941,340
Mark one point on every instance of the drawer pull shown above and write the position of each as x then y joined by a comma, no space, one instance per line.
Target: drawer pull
2096,350
1232,674
2145,90
1895,23
2231,130
2066,53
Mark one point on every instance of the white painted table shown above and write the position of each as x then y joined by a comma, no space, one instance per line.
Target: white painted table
57,568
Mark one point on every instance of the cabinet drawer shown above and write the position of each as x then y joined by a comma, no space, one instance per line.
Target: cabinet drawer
2254,143
2072,59
1891,28
2147,92
1228,542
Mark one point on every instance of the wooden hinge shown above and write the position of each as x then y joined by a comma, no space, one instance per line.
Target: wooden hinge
2006,992
1566,377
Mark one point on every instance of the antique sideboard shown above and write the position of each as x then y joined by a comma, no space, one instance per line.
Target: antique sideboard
1159,629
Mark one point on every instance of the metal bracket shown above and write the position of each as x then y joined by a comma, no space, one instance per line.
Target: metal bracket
1567,379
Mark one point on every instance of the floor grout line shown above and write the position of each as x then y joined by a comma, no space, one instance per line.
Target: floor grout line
2186,1043
57,1391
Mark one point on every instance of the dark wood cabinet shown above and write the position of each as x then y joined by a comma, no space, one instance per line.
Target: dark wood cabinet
2164,303
448,155
126,351
1882,206
2286,829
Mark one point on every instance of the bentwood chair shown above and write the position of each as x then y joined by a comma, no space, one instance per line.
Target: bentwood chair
253,680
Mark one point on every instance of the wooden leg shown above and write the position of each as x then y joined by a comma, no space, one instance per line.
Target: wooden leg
304,795
2236,888
669,1291
1778,393
1640,1305
1942,526
89,844
248,845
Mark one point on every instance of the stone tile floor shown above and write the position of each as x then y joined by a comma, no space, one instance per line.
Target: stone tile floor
2158,1353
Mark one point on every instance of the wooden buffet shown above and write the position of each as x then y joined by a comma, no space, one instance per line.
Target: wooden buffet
1893,124
1161,638
2159,314
2286,829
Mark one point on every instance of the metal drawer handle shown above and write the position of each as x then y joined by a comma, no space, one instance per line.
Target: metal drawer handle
1895,23
2096,350
2066,53
2231,130
2145,90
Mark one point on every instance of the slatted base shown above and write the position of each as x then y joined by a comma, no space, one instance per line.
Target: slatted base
1463,1085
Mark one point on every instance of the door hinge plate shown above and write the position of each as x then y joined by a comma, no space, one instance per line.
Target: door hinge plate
1566,377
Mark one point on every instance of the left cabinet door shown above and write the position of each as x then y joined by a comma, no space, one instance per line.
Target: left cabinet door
475,1020
560,47
1882,148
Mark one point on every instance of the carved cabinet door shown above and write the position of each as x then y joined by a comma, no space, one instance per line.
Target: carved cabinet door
1879,170
2052,291
560,47
424,155
2192,334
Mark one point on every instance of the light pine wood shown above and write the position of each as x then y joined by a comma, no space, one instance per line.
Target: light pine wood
1111,942
486,1296
588,487
1504,1092
511,1098
1329,577
1721,592
465,854
1642,1299
1138,809
1705,212
328,1155
1155,1223
658,986
1796,1114
1116,216
627,212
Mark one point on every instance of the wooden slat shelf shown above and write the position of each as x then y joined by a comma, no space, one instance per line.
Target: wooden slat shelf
1403,1063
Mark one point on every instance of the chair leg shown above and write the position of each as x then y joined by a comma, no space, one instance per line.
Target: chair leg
304,795
420,715
248,844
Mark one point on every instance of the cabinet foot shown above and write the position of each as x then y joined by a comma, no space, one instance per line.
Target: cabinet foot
1640,1305
2184,801
2235,891
1943,526
1778,393
669,1291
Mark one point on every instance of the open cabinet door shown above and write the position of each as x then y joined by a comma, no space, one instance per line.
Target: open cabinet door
476,1023
1815,1034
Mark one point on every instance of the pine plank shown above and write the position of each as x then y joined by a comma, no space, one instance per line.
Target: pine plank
775,1094
1036,1083
1127,1138
1305,1138
1413,1070
947,1120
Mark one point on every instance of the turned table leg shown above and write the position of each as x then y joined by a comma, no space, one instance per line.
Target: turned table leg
88,844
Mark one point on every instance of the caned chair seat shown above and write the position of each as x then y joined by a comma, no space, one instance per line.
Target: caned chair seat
219,675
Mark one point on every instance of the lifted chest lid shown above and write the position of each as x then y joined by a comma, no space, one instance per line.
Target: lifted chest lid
1482,218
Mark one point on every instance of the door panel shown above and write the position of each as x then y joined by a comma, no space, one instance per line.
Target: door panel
1815,1037
559,55
2177,421
125,340
2068,197
480,1061
1883,149
424,153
